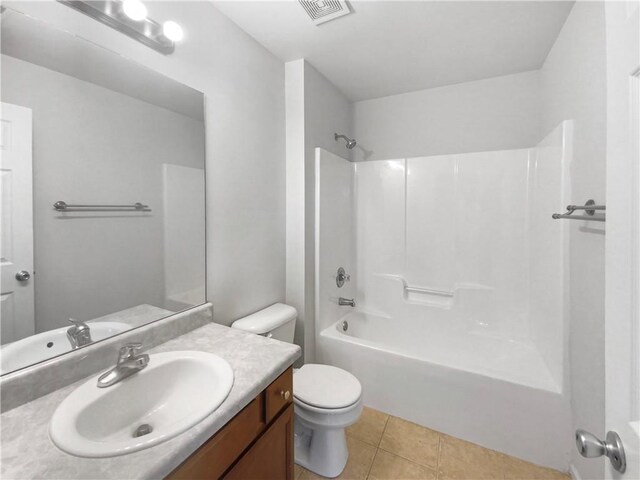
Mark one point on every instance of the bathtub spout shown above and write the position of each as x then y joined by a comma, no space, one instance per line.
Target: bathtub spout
347,302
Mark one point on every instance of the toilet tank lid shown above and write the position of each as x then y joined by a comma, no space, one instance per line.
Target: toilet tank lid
266,320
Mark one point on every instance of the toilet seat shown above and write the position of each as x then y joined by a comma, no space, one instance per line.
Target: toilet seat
324,387
326,411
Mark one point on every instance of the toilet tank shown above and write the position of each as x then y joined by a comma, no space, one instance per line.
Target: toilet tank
277,321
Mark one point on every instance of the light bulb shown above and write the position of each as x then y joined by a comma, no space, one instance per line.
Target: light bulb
134,9
172,31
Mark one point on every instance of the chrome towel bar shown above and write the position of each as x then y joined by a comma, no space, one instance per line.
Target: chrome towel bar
61,206
589,208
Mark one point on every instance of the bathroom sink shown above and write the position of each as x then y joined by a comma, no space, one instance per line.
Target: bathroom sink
45,345
172,394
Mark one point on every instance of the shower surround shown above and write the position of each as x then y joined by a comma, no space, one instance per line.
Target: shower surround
459,277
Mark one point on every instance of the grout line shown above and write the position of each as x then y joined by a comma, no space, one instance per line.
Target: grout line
439,455
430,467
371,466
383,430
358,439
396,454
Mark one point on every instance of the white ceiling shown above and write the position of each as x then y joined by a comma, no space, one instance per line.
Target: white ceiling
389,47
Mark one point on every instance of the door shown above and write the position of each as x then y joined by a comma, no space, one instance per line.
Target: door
17,317
622,309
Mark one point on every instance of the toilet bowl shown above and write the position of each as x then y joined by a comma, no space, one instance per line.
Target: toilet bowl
326,399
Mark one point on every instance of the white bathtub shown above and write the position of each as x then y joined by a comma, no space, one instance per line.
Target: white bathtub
486,390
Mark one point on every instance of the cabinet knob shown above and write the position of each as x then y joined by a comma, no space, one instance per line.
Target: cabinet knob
285,394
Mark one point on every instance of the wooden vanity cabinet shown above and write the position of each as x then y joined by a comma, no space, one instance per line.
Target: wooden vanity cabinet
257,444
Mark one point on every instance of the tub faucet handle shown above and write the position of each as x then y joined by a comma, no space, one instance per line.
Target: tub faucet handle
342,277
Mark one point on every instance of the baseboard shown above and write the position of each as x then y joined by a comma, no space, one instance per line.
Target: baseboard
573,471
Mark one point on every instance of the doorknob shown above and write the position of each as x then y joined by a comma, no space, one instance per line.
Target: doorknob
23,276
591,446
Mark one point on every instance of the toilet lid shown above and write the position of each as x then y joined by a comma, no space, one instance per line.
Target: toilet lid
324,386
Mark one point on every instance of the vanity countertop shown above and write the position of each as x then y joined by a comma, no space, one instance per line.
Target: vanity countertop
27,451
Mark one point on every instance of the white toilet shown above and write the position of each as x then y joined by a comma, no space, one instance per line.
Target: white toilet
326,399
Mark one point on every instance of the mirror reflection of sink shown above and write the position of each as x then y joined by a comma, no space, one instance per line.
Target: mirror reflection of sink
172,394
45,345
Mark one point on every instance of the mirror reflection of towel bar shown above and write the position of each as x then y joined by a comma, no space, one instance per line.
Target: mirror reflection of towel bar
61,206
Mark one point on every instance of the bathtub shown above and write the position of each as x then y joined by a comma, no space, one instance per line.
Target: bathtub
489,391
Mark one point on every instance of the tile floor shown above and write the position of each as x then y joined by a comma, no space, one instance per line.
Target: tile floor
383,447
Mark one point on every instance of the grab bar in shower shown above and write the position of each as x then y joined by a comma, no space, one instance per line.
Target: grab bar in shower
589,208
61,206
429,291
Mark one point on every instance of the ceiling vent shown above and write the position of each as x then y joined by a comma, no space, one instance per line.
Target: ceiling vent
322,11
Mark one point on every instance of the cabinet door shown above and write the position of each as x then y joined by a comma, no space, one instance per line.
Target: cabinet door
271,457
212,459
278,395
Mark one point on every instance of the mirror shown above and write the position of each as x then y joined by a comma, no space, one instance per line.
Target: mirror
102,188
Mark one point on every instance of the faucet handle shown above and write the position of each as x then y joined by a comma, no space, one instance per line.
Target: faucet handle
77,323
127,351
342,277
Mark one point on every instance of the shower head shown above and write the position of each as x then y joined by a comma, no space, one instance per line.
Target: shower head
350,142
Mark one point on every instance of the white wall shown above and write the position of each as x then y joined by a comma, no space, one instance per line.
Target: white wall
84,152
244,88
316,109
500,113
296,193
573,85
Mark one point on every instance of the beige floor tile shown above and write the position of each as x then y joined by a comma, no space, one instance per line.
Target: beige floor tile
411,441
297,471
308,475
516,469
360,458
462,460
369,427
387,466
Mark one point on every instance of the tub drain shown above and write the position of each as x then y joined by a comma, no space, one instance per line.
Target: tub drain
345,326
143,429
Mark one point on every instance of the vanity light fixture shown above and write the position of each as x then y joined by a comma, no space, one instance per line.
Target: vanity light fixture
134,9
130,17
172,31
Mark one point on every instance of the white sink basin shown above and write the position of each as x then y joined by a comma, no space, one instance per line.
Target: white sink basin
46,345
172,394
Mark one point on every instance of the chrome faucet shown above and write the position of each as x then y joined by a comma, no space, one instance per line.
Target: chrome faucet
347,302
128,364
79,335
